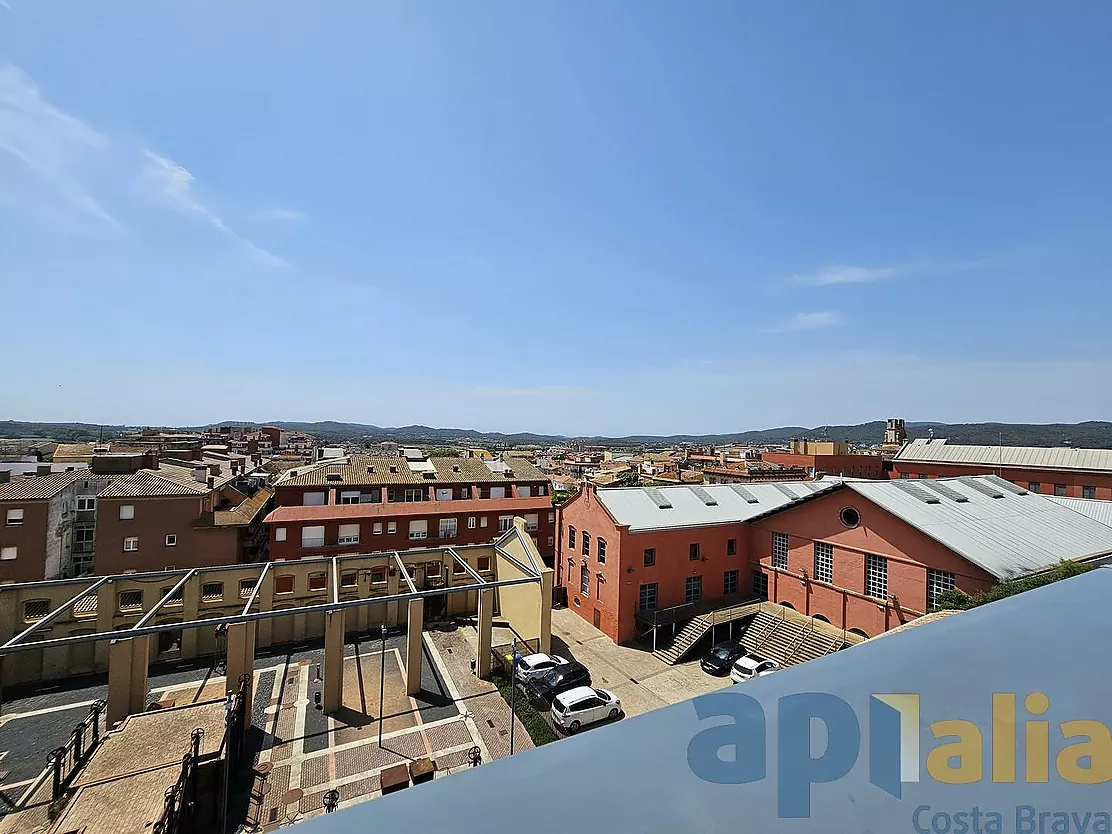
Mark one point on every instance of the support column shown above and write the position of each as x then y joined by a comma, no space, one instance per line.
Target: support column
544,621
486,618
333,661
241,657
191,608
127,678
413,646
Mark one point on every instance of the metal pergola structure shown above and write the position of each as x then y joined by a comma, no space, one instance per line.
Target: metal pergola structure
143,627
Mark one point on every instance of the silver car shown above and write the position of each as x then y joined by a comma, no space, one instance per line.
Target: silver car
535,665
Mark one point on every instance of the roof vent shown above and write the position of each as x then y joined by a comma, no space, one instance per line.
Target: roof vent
914,491
744,493
657,497
370,470
393,470
1005,485
333,477
945,491
455,468
293,473
429,475
704,496
982,487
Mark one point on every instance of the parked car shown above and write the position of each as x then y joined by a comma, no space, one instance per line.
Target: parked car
535,665
749,667
583,705
564,677
719,659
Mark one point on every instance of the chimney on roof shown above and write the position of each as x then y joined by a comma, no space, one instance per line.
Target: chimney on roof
211,482
214,469
42,469
5,475
199,473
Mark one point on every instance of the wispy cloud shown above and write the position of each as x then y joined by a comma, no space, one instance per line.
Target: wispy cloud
4,5
809,321
283,214
846,275
47,142
176,183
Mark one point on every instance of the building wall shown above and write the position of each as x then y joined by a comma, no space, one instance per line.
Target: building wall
909,552
1046,478
853,466
30,539
154,519
431,512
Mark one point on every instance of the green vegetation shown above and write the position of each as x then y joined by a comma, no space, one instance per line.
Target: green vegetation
534,723
1063,570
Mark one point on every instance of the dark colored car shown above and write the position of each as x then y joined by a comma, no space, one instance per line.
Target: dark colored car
719,659
561,679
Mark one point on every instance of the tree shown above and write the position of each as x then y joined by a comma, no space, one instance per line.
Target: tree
955,599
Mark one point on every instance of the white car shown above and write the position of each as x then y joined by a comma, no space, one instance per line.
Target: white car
584,705
535,665
749,667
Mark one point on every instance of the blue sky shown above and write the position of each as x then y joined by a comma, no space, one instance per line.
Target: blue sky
574,217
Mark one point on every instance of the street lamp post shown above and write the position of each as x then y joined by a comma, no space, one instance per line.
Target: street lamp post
381,684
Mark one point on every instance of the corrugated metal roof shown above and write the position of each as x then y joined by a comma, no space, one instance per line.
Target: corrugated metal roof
638,507
1007,536
923,450
1097,510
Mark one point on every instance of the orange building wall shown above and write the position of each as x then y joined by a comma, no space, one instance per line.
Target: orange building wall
853,466
844,603
1046,478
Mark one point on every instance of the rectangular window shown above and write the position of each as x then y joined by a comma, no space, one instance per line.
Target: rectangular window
1033,486
349,578
922,476
483,564
130,600
650,556
212,592
177,599
471,522
464,493
378,576
312,536
904,476
246,588
532,522
693,551
419,529
349,534
391,528
551,541
127,512
349,496
279,534
8,554
876,576
86,503
377,529
131,544
283,584
938,583
571,538
585,581
15,517
505,522
35,609
432,569
646,597
586,537
482,521
415,494
318,581
524,492
780,550
731,547
693,589
571,570
760,584
1088,492
601,551
824,562
171,540
729,582
449,527
552,518
1060,490
314,499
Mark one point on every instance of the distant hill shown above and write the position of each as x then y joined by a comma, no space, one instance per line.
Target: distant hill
1090,435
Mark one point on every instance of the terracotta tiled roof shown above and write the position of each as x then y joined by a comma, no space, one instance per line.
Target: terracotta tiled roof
368,470
38,488
245,513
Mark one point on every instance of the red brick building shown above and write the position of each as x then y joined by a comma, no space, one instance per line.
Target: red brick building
1066,473
370,503
864,556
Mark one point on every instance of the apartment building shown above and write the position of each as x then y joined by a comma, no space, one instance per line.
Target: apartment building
130,512
828,457
1064,472
368,503
866,556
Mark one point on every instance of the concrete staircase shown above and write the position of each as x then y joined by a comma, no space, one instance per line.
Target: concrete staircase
672,650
